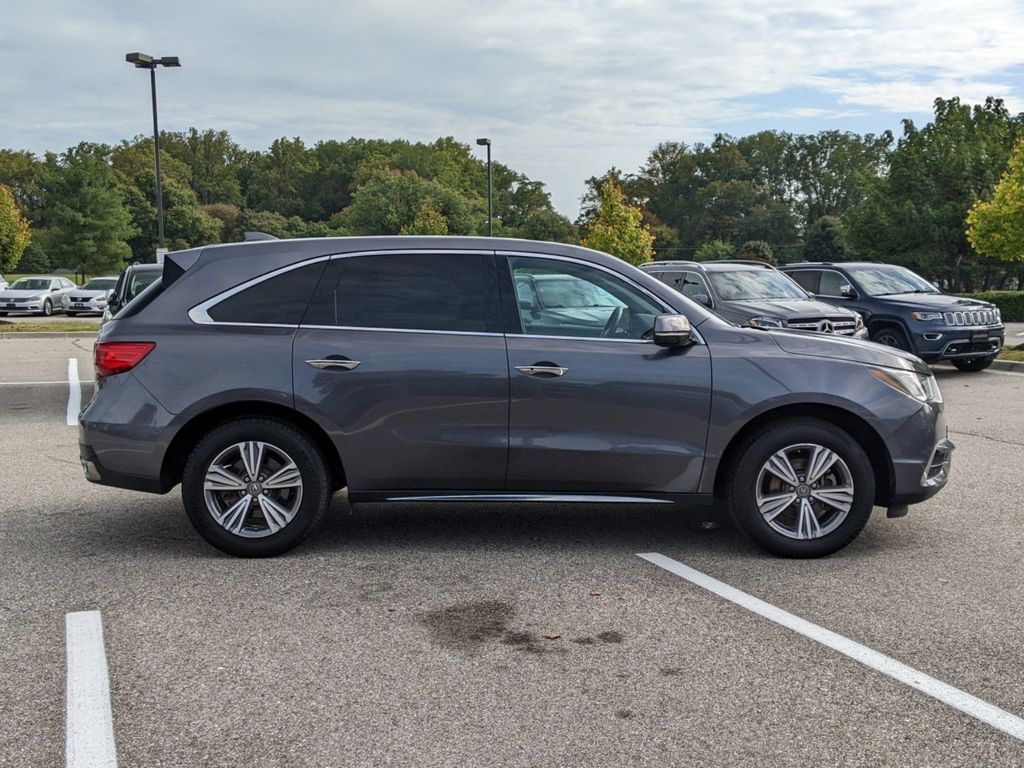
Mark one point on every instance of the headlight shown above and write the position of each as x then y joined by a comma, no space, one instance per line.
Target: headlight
919,386
927,316
766,322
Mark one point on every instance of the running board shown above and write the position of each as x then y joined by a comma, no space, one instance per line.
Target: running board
523,498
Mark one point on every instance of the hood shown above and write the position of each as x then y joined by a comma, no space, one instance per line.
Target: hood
8,295
844,348
91,294
787,309
940,302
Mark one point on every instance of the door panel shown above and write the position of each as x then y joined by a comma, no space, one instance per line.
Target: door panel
625,416
421,411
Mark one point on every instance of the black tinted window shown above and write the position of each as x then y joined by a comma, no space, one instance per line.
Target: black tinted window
807,278
279,300
418,291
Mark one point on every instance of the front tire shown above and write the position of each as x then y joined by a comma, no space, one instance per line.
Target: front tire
255,487
47,308
801,488
892,336
972,364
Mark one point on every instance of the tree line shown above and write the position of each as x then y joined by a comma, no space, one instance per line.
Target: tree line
772,195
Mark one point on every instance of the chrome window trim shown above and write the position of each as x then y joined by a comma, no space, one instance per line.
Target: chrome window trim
395,330
666,307
199,314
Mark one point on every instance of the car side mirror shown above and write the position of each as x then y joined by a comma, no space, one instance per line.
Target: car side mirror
110,295
525,304
55,289
702,298
848,292
672,331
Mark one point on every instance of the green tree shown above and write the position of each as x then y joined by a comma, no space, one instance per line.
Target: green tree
915,214
34,260
713,250
823,241
87,222
995,227
618,228
758,250
15,233
429,221
213,161
279,176
24,174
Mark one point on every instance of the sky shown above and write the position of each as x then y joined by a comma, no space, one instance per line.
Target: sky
564,89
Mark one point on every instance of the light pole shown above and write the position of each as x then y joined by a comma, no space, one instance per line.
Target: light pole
144,61
490,188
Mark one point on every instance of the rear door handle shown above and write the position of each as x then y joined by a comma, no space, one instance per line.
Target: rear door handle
334,362
542,370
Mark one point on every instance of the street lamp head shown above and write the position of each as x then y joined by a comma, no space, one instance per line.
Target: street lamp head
140,60
169,61
484,142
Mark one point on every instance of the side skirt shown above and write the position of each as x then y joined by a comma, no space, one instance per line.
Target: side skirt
692,499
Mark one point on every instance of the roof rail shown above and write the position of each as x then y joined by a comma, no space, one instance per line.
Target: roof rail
251,237
755,262
669,261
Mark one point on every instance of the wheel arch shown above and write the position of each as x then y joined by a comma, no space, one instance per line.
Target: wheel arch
861,431
192,432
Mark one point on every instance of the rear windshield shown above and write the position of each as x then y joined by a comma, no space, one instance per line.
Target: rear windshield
745,284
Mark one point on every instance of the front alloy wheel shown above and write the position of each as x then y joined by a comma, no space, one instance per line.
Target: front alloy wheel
801,488
804,491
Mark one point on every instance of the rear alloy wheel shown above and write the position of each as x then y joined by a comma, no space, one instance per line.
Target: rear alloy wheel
972,364
255,487
802,489
891,336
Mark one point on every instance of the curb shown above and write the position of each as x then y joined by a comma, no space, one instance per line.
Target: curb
1008,365
47,334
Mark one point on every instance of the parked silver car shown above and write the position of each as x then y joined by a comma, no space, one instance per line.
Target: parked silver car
35,295
91,297
4,285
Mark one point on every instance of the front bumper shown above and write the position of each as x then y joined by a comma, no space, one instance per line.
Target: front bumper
83,307
917,481
949,343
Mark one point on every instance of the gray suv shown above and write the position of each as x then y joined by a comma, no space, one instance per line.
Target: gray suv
264,376
756,294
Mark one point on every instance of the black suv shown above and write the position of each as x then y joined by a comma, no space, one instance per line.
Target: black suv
905,311
755,294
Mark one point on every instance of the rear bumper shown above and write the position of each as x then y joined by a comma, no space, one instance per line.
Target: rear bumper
95,472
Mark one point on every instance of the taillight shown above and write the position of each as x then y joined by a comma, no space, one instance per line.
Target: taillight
110,357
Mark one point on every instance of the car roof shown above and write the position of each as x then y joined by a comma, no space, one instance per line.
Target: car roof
145,267
836,264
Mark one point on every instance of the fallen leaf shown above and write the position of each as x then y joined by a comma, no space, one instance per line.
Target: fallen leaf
595,594
552,635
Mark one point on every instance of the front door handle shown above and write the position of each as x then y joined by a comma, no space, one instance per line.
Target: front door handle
334,362
542,370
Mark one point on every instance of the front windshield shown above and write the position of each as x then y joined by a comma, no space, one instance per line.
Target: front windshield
31,284
887,281
745,284
100,284
567,292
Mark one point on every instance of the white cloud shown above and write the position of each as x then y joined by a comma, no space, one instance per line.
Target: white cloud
564,89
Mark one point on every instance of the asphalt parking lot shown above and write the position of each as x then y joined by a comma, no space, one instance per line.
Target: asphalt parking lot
478,635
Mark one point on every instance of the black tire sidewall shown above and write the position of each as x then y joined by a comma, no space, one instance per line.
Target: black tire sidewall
316,492
47,308
742,484
898,333
973,364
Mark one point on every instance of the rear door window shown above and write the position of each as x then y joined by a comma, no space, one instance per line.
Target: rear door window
806,278
408,291
278,300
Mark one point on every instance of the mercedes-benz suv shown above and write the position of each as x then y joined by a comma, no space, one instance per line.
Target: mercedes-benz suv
755,294
264,376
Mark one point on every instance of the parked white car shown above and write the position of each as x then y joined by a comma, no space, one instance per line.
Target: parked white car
4,285
90,298
36,295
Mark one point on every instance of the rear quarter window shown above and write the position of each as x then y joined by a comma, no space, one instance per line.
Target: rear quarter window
278,300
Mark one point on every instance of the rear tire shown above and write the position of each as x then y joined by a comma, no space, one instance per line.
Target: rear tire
839,502
973,364
223,495
891,336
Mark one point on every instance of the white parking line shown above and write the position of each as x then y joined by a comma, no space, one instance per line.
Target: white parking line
89,739
988,713
74,392
62,382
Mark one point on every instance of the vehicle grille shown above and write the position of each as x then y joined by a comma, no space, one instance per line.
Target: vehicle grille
973,317
840,326
82,299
